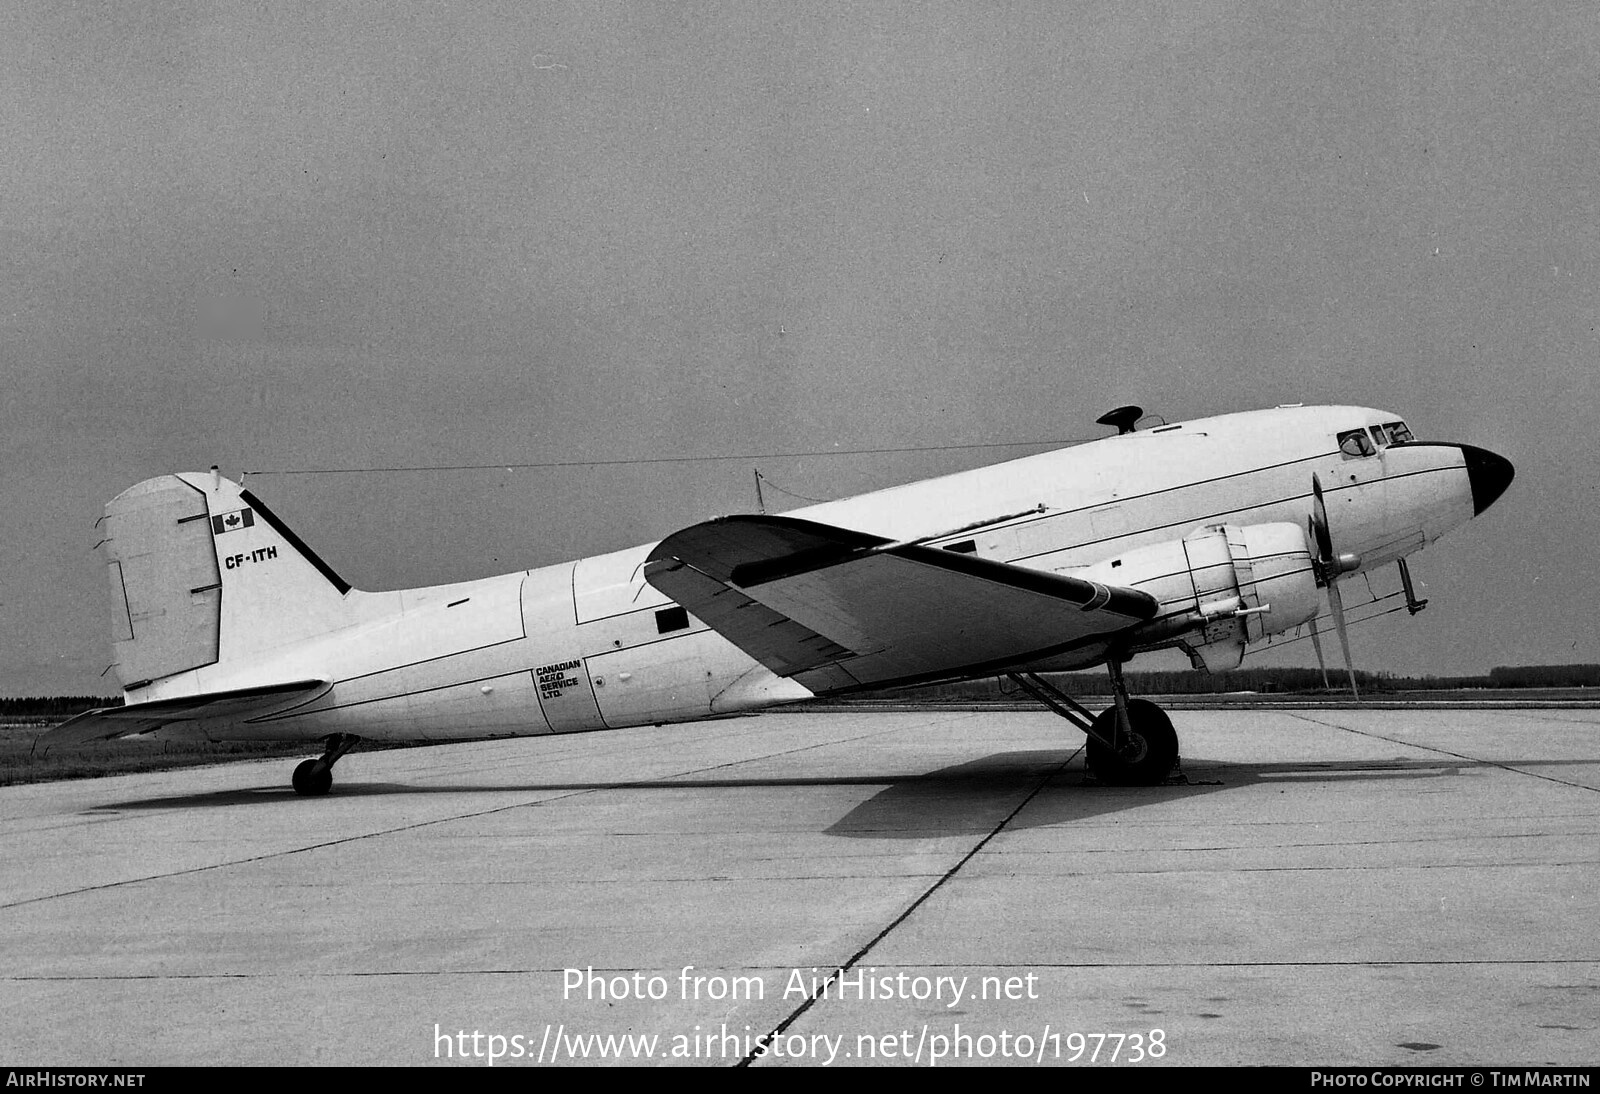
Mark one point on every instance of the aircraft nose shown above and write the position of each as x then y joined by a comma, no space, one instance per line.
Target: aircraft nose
1489,475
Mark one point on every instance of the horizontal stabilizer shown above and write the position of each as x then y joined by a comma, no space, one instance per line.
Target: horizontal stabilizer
837,609
108,722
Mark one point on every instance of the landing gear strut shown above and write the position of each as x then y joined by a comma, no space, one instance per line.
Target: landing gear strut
1130,744
314,778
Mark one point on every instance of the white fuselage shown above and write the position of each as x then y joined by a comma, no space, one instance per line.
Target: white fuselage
591,645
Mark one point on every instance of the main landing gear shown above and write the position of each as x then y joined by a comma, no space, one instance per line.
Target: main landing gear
314,778
1130,744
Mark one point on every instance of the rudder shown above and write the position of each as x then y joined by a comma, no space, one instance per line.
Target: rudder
202,573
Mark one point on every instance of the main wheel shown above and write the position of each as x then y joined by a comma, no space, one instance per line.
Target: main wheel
1145,757
313,778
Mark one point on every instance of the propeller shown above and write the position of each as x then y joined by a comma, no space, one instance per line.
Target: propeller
1329,566
1316,644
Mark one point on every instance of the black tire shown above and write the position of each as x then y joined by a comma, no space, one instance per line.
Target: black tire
1147,759
313,778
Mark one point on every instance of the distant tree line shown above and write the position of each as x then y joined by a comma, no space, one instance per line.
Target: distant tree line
1545,676
1185,682
54,706
1266,680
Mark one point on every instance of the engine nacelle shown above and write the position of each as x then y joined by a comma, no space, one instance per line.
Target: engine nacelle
1220,588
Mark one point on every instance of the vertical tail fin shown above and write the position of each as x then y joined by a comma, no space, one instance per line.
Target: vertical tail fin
202,573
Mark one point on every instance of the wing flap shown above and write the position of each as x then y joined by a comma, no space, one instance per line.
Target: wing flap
107,723
836,608
785,646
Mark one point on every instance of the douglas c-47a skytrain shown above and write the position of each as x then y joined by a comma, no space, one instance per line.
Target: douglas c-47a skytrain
1208,535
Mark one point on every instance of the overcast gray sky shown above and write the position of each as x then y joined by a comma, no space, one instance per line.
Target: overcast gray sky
353,235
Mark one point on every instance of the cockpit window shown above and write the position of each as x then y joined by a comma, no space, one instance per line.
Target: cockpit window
1355,444
1398,433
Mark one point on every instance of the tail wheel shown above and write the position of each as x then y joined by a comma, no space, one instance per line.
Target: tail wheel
1144,757
313,778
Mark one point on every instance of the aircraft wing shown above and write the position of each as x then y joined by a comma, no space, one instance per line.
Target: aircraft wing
838,609
108,722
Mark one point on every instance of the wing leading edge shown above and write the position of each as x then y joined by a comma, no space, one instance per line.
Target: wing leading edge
838,609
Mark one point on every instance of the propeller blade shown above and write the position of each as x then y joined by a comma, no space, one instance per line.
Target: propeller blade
1336,603
1319,522
1316,644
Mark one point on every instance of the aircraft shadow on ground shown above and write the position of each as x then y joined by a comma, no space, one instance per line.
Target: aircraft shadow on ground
973,797
964,798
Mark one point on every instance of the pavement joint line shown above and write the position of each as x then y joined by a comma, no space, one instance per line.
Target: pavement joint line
284,854
927,893
405,828
1446,752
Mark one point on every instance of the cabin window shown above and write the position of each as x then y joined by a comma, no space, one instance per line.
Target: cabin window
671,619
965,547
1355,443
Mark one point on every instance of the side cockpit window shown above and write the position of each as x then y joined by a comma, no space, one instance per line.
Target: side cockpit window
1355,444
1390,433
